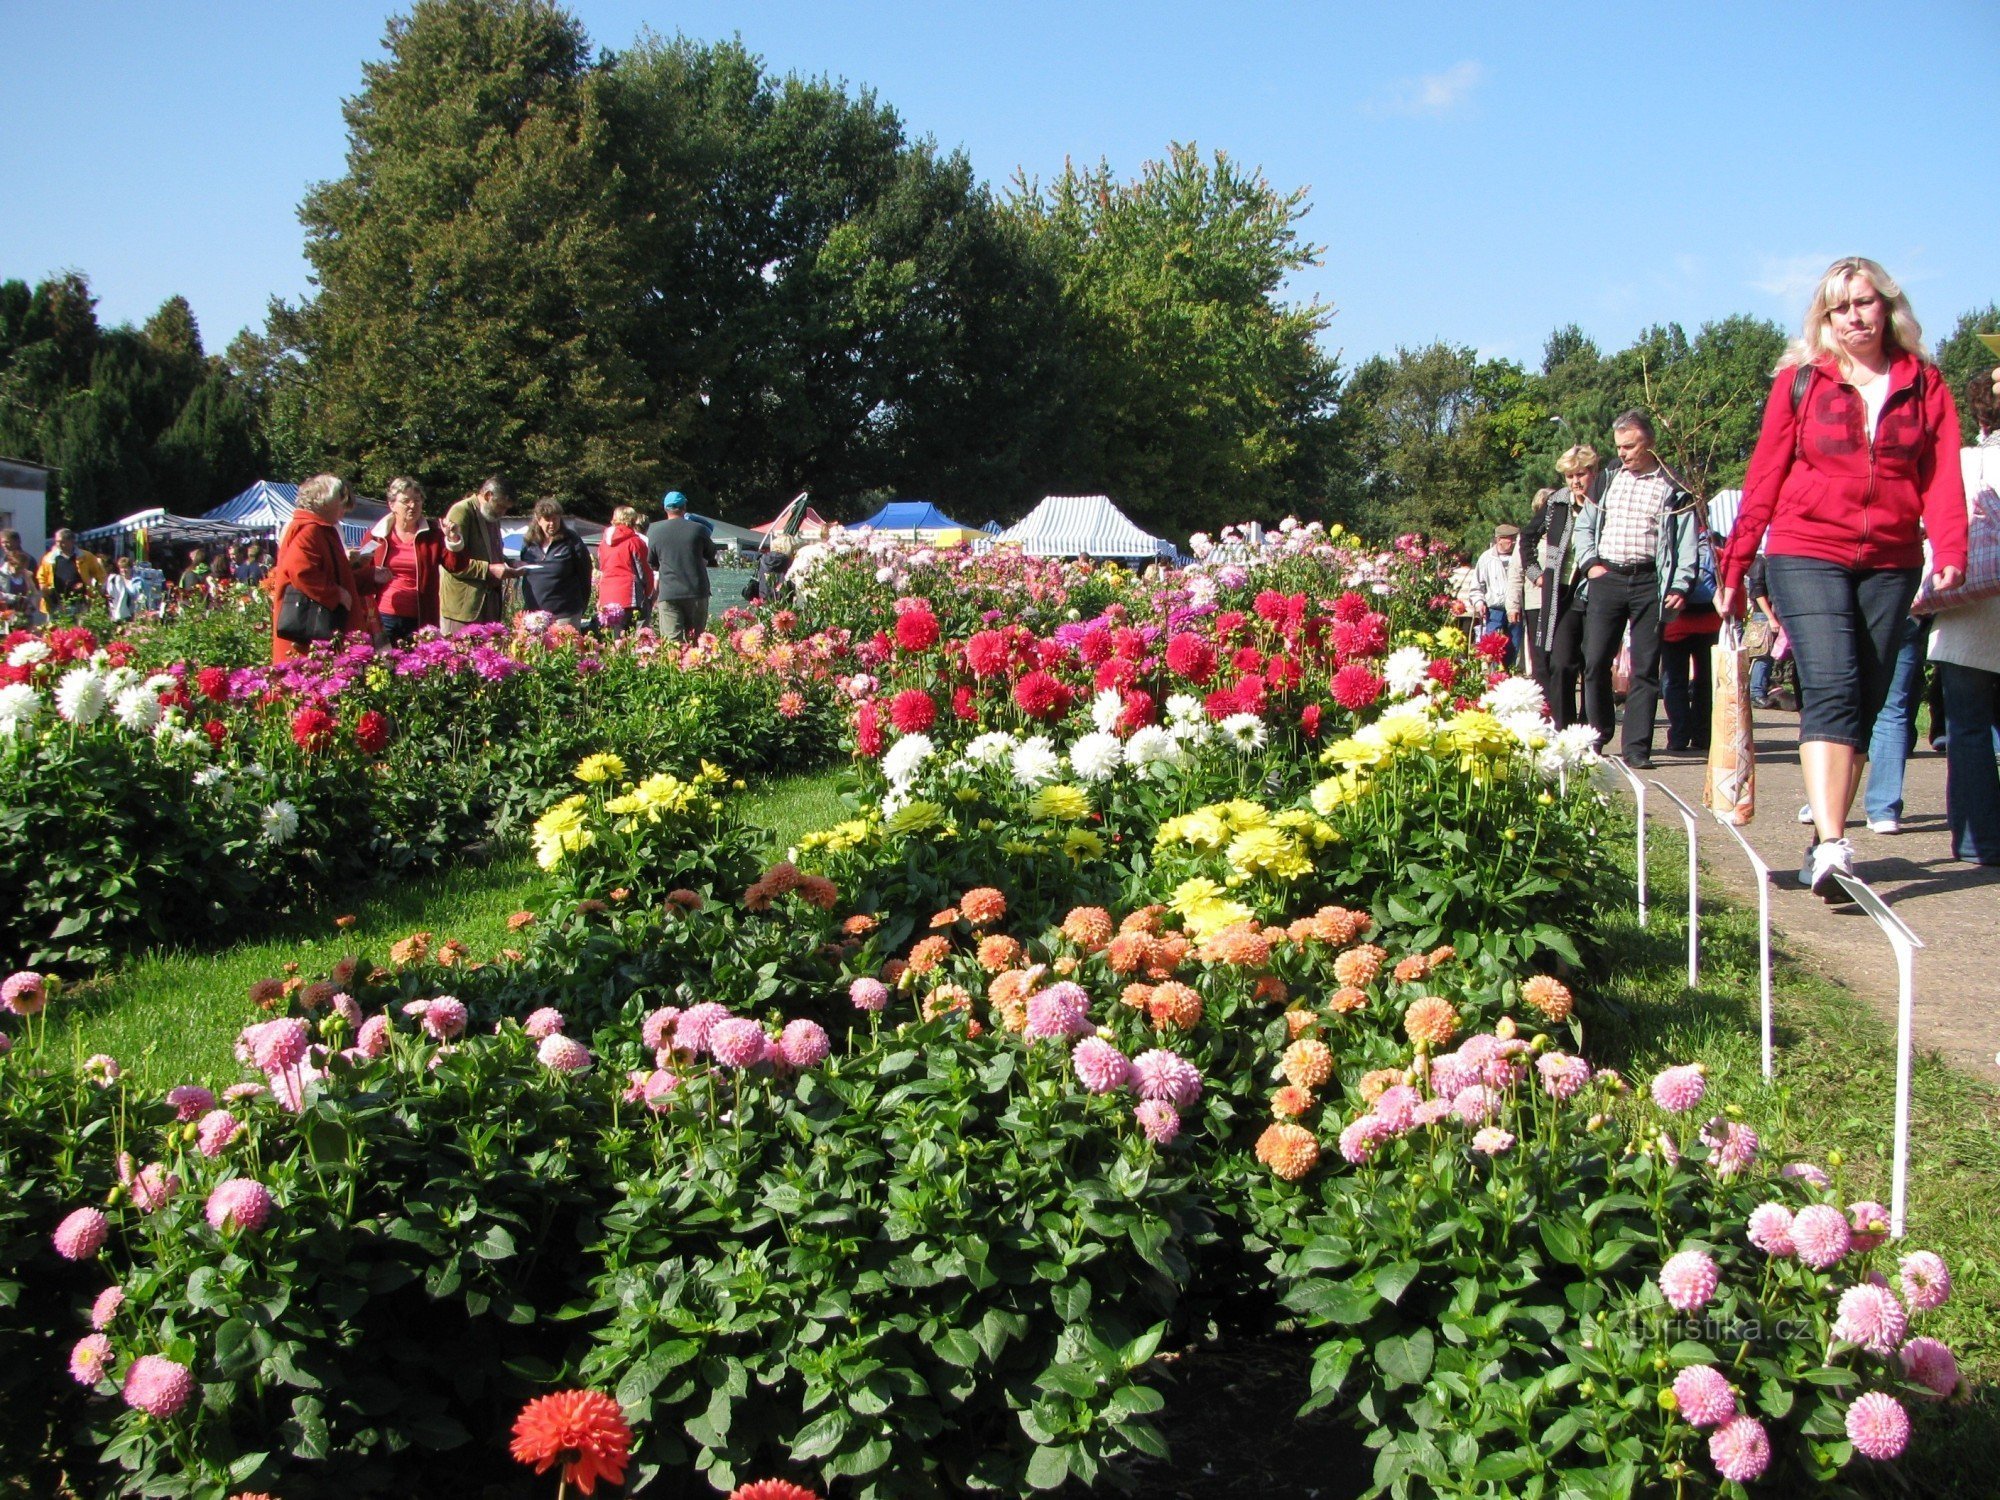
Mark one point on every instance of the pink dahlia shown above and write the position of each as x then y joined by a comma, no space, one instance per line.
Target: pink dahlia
276,1046
24,993
1432,1112
1475,1105
90,1359
1820,1235
1100,1067
102,1069
1702,1392
81,1235
546,1022
1679,1090
239,1203
1732,1146
105,1308
657,1092
563,1054
1359,1140
868,994
1491,1140
1740,1450
1160,1120
157,1386
190,1101
1870,1222
1167,1077
444,1018
1931,1365
1871,1317
736,1042
658,1031
1926,1280
217,1130
1805,1171
240,1091
1396,1107
692,1028
347,1008
152,1187
1061,1010
1878,1426
1563,1076
1451,1073
804,1044
1771,1229
1688,1280
371,1038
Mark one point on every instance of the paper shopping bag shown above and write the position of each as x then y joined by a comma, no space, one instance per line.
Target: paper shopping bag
1731,787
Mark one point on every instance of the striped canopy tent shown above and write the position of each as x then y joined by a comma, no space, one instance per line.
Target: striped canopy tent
266,506
1083,526
146,530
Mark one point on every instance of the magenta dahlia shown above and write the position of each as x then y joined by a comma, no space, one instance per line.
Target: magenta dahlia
217,1130
1167,1077
1679,1090
105,1308
1061,1010
1871,1317
239,1203
190,1101
1926,1280
1931,1365
1159,1120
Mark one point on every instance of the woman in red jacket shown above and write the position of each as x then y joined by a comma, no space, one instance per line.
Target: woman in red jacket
408,549
313,559
1856,464
624,575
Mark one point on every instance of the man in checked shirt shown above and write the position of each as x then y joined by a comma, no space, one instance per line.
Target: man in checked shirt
1636,547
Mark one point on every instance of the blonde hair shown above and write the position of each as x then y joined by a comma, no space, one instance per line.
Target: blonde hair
1541,498
1577,459
323,494
1816,341
625,515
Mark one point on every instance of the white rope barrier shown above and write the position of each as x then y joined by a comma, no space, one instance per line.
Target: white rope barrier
1639,794
1763,873
1905,943
1690,819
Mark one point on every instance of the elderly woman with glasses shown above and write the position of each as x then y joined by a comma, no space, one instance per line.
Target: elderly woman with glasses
407,550
312,560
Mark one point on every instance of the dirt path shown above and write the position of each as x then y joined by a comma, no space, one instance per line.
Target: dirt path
1953,907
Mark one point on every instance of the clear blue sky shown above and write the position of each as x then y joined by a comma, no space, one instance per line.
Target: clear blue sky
1478,172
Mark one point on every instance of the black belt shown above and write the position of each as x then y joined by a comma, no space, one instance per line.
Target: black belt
1633,569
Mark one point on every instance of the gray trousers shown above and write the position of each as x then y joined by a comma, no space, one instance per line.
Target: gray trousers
682,619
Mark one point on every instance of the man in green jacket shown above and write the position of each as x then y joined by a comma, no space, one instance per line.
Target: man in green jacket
472,589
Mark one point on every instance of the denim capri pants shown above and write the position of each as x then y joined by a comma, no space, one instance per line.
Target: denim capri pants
1844,625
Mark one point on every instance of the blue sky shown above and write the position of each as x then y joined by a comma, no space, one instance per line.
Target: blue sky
1477,172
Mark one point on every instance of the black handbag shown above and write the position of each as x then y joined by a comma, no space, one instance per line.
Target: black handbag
302,619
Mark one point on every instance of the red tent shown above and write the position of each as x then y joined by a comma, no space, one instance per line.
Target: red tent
813,520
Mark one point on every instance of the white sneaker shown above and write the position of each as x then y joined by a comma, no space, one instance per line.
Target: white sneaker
1829,857
1805,815
1885,825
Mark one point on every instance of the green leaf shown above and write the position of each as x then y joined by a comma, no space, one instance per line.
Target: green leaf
821,1436
1048,1468
1405,1359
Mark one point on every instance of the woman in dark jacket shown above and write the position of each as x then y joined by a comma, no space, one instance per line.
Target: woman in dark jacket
555,566
1553,534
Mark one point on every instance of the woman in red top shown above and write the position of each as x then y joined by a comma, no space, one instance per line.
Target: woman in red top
624,573
1856,464
313,560
409,550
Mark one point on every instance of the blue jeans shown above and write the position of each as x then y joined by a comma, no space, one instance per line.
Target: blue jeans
1845,625
1496,619
1760,671
1895,733
1972,767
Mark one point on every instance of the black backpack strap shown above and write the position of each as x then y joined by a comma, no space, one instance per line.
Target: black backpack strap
1801,383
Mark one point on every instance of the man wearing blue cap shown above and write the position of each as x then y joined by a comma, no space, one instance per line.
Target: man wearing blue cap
681,553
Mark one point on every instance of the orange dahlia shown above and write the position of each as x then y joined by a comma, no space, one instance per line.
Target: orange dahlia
817,890
1129,952
1175,1004
1146,919
946,918
1359,966
1378,1081
1289,1150
1415,967
584,1431
1338,925
982,906
1089,927
1299,1022
1442,955
519,920
1308,1063
1347,999
860,924
772,1489
1242,945
1548,995
998,952
1291,1101
413,949
1271,990
1430,1021
1169,953
927,953
1137,996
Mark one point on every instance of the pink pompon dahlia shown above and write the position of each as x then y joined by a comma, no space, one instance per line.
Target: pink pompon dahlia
1931,1365
1688,1280
692,1027
658,1031
217,1131
1678,1090
90,1359
24,993
543,1023
1360,1138
736,1042
239,1203
1060,1011
1869,1221
1732,1146
276,1046
1475,1105
1805,1171
563,1054
1100,1067
1871,1317
1563,1076
1821,1235
1491,1140
1167,1077
1740,1450
371,1038
1159,1120
152,1187
105,1308
102,1069
157,1386
81,1235
1878,1426
804,1044
1703,1395
1396,1107
868,994
444,1018
1926,1280
190,1101
1771,1229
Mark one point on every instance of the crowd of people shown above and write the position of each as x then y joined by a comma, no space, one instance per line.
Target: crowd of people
1846,566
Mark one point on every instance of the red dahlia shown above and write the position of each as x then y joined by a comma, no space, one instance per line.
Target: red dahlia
1355,688
371,733
916,630
1040,696
313,729
214,683
986,653
913,710
1189,656
584,1431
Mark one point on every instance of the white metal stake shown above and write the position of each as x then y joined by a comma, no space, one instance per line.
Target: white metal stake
1690,819
1763,933
1906,943
1639,794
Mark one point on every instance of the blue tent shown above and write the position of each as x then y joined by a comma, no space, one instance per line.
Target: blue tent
913,516
992,528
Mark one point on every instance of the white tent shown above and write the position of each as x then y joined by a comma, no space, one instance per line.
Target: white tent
1083,526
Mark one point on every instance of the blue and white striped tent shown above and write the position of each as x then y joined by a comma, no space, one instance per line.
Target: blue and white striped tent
1083,526
267,506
